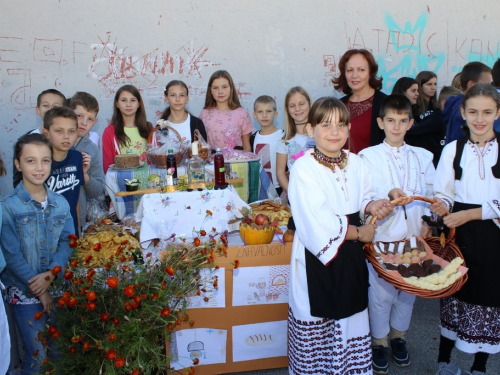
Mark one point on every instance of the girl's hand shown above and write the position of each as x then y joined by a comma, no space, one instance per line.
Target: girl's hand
86,162
366,232
396,193
380,208
425,231
47,302
439,208
38,284
457,219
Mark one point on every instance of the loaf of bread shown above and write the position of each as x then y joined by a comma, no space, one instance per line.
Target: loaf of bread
127,161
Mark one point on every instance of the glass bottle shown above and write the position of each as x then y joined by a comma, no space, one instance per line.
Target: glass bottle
171,162
196,169
219,170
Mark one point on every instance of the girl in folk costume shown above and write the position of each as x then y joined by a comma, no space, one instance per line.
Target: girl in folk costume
330,191
398,170
468,185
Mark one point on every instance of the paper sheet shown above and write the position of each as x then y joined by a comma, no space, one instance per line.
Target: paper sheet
210,297
261,340
260,285
206,344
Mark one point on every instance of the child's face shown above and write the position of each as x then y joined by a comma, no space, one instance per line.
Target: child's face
330,135
429,88
395,126
220,89
62,133
86,120
298,107
480,112
127,104
48,101
34,163
265,114
177,98
412,93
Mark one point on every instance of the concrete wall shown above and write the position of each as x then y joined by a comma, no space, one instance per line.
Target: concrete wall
267,46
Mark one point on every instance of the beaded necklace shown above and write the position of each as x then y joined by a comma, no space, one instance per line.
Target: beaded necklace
330,162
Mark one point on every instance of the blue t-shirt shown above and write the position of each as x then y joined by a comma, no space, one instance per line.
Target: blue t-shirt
66,177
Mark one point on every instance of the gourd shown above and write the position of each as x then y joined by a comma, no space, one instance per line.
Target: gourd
252,235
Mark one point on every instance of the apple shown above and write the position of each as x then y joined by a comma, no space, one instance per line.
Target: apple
261,219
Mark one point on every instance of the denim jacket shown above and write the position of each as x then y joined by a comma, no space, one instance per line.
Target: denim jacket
33,240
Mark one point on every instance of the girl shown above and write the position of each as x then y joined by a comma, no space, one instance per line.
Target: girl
36,223
408,87
295,140
468,184
228,124
129,130
177,96
330,190
427,100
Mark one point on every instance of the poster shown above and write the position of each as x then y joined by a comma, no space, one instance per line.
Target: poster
261,340
208,345
260,285
212,290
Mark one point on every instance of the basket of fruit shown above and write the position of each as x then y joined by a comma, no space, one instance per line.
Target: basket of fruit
429,268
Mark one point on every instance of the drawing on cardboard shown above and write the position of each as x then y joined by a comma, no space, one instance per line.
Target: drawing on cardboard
260,340
260,285
212,289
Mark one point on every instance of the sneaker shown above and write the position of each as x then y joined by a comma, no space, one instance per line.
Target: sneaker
400,354
380,359
448,369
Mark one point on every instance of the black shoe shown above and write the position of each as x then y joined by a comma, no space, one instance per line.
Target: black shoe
400,353
380,359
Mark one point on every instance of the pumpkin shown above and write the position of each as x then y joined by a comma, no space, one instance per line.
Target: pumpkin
255,236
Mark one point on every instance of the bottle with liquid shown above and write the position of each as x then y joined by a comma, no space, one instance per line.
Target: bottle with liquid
219,170
171,163
196,169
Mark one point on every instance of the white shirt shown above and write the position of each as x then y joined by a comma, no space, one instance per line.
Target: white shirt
265,146
184,129
295,147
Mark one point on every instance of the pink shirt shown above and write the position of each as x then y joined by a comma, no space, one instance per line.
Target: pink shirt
226,129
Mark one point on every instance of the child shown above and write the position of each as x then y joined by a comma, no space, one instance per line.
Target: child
177,96
398,170
427,83
467,184
4,325
445,93
129,130
295,141
69,166
330,190
86,108
36,223
265,140
46,100
227,123
408,87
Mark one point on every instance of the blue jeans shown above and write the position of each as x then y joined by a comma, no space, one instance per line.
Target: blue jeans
23,314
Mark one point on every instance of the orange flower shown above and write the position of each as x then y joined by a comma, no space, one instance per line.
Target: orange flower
196,361
111,336
68,276
203,233
116,321
236,263
197,241
129,291
110,354
56,335
164,286
170,271
144,296
74,263
120,361
104,317
87,259
91,296
217,267
112,282
86,346
126,269
61,303
72,302
165,311
73,244
209,213
190,371
38,315
148,255
35,353
97,247
72,349
170,326
75,339
45,361
72,237
154,296
91,306
135,372
56,270
52,330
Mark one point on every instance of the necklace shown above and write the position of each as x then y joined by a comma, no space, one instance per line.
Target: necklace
481,152
330,162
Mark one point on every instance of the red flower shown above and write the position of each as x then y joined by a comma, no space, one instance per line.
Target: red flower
116,321
75,339
104,317
110,354
120,361
203,233
170,326
209,213
165,311
97,247
197,242
52,330
86,346
148,255
91,296
154,296
129,291
35,353
126,269
236,263
73,244
72,237
135,372
112,282
74,263
91,305
111,337
72,349
196,361
56,270
61,303
38,315
170,271
68,276
56,335
72,302
164,286
87,259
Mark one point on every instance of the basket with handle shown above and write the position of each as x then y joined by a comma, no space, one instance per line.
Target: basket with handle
441,247
159,159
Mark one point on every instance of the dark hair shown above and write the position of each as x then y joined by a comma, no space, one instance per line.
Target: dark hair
87,101
480,89
49,91
340,82
233,102
141,122
175,82
446,92
265,99
290,129
29,139
495,73
403,84
64,112
472,72
422,78
397,103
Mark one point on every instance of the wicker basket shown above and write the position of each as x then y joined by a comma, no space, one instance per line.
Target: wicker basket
444,248
160,159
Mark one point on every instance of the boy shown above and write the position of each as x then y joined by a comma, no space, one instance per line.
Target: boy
472,73
265,140
46,100
86,108
445,93
60,126
398,170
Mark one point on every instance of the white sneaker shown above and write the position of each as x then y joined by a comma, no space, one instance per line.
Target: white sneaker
448,369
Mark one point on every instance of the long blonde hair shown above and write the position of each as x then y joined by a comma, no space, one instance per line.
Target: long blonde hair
290,128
